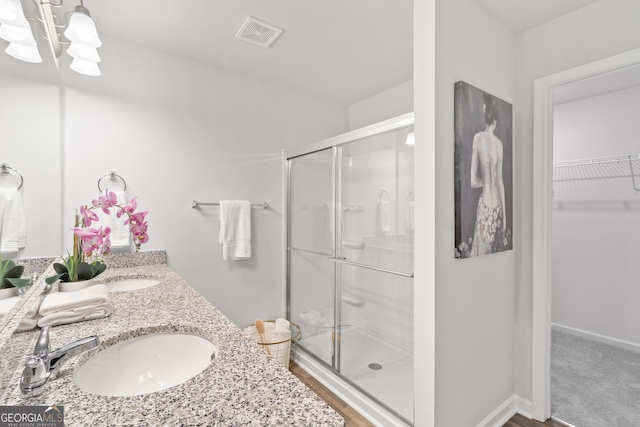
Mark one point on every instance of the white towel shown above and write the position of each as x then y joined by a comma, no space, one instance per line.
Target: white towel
278,332
409,215
235,229
120,235
282,350
80,314
282,325
66,301
30,319
383,223
13,228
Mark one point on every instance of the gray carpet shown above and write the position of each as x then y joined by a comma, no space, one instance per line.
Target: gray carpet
594,384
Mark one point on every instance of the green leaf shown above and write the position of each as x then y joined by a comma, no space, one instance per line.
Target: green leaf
5,266
18,283
14,273
60,268
84,271
51,280
98,268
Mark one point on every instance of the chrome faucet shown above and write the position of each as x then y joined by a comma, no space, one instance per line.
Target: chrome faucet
45,364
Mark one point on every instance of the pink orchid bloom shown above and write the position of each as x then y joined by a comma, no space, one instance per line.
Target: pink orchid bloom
98,240
93,243
84,232
88,216
106,245
133,204
136,218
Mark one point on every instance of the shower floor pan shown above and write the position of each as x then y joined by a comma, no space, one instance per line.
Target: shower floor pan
380,369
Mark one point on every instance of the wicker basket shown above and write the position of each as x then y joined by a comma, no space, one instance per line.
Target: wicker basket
282,350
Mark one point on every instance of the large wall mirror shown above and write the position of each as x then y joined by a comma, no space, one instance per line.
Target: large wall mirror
184,110
30,141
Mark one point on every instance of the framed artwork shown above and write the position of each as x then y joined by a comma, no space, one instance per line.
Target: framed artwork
483,172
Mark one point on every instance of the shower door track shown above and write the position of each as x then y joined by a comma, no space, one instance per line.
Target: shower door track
370,267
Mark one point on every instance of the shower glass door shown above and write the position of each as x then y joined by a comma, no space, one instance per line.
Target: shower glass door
375,259
310,246
350,261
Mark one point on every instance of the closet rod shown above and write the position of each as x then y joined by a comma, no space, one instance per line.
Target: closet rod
196,204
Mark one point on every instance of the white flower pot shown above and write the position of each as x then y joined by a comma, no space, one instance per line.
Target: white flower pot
8,293
75,286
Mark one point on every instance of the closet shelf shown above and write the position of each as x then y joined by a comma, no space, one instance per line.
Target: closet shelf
614,167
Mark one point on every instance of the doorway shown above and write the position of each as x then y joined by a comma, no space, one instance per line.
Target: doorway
544,91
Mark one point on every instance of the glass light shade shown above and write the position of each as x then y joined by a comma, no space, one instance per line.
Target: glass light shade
84,53
10,10
82,30
87,68
18,35
24,53
411,138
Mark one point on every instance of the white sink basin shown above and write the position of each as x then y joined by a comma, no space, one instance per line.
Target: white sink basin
130,284
145,364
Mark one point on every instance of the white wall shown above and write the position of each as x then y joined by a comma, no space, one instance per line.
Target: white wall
181,131
596,222
178,130
474,297
424,282
597,31
599,126
390,103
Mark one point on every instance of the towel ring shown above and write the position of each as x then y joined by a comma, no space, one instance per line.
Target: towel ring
411,196
4,169
383,196
112,176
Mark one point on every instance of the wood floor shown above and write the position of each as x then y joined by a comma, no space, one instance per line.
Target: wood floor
351,417
354,419
520,421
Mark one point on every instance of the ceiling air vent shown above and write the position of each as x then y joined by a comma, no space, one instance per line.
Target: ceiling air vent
258,32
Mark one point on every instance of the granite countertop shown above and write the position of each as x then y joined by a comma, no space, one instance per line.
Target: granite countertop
243,386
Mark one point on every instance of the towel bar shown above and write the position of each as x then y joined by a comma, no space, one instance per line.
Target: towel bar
112,176
4,169
196,204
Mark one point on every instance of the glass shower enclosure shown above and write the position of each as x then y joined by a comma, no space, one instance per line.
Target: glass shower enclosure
350,225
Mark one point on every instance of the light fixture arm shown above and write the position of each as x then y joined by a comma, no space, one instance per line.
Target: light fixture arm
49,26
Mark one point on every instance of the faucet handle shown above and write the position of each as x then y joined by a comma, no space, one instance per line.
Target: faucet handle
43,347
34,376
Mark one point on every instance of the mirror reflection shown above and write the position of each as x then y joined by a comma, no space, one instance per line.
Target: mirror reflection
183,110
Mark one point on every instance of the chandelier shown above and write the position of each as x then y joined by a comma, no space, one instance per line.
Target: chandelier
80,35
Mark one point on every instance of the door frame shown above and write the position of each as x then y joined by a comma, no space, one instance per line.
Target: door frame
543,216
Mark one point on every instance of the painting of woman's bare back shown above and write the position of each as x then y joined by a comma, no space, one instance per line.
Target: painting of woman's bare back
483,172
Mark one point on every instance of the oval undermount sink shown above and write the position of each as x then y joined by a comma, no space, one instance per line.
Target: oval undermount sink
130,284
145,364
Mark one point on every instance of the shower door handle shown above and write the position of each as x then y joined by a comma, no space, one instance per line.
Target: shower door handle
343,260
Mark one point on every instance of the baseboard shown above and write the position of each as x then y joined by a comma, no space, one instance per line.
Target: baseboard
564,423
627,345
508,409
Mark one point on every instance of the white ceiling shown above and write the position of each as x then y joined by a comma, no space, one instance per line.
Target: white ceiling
335,49
340,50
521,15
